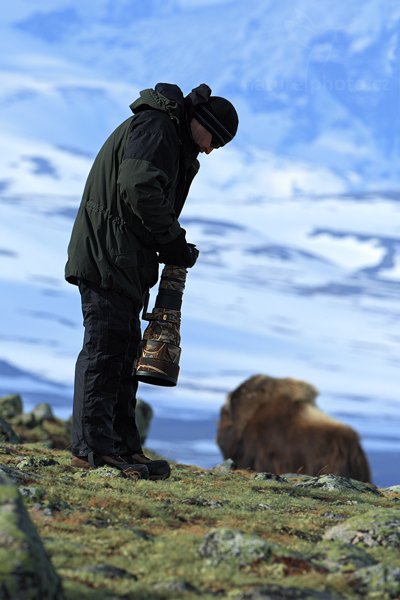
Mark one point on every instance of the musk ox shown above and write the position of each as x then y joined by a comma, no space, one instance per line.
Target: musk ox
273,425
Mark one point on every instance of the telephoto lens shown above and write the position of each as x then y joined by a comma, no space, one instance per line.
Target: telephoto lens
159,352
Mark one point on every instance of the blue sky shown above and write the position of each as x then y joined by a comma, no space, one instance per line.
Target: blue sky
315,82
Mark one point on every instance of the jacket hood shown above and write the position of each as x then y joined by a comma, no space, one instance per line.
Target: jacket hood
166,97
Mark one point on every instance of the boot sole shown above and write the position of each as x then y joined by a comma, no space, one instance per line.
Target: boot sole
159,477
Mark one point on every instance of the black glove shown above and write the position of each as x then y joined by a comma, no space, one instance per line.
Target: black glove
178,252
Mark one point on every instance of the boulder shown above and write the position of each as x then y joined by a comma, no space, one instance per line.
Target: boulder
335,483
223,544
143,416
26,571
337,557
42,412
225,466
273,425
10,406
18,476
240,548
377,581
392,488
371,529
25,420
38,426
7,433
270,478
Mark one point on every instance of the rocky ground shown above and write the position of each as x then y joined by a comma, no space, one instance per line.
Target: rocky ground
205,533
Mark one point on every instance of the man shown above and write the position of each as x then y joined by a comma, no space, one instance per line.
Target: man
126,225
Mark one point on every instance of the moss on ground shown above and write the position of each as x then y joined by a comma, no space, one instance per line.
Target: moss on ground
110,537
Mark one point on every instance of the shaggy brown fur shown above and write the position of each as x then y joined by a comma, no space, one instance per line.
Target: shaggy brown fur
273,425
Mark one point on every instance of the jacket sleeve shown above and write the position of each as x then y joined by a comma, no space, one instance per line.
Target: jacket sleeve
147,170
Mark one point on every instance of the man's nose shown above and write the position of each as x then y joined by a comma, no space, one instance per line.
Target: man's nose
208,150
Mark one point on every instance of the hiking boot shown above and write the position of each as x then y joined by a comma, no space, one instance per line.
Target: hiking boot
158,469
129,469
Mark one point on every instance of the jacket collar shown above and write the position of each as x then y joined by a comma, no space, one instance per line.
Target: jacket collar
165,97
168,98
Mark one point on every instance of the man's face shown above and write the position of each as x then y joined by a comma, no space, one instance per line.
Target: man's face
201,136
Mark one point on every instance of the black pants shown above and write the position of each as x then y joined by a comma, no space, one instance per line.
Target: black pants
103,419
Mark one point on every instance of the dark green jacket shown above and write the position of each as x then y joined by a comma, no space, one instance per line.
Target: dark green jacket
133,196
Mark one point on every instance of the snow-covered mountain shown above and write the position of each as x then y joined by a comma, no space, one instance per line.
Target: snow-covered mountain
297,220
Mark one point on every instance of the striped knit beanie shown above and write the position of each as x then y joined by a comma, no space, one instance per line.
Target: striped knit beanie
220,118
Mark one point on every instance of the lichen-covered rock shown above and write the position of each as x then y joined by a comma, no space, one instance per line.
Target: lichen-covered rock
10,406
297,476
263,506
25,420
176,586
333,516
370,529
99,473
226,465
242,548
335,556
32,462
33,493
378,581
17,476
7,433
280,592
200,501
25,569
270,477
42,412
336,483
392,488
223,544
143,417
